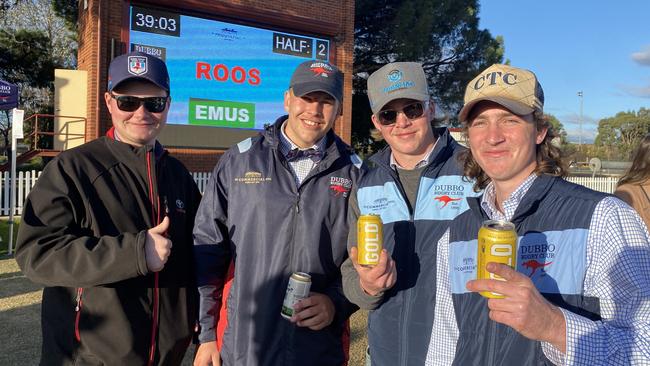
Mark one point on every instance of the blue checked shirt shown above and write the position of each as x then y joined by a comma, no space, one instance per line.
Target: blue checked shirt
303,165
618,274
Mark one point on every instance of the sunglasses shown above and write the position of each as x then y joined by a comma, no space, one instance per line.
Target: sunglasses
129,103
415,110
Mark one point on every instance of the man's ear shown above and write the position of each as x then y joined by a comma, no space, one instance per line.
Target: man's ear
287,102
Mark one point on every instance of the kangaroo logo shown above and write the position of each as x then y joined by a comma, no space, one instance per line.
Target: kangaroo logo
339,190
534,265
446,199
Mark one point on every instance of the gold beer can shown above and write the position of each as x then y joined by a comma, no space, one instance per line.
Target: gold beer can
370,239
497,242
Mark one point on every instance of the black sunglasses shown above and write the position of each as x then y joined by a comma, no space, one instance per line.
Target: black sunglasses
129,103
415,110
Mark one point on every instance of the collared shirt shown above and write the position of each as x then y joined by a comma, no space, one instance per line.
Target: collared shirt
489,199
303,165
423,162
617,273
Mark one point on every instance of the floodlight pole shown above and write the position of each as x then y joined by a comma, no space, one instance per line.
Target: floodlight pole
580,122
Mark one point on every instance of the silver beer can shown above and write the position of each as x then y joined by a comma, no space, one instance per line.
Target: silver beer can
297,289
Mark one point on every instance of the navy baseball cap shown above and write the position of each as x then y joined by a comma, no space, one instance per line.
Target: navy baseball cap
312,76
138,65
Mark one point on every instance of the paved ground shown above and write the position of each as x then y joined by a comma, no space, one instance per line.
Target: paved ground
20,307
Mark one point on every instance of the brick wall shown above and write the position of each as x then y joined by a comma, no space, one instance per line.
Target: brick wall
101,36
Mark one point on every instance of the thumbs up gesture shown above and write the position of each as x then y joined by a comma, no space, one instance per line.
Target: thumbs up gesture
157,247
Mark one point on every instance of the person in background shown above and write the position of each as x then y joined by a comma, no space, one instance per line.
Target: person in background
275,205
634,185
580,290
108,230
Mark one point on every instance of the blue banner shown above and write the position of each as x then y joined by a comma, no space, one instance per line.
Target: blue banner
8,95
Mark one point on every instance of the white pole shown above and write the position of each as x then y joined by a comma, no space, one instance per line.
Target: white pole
580,121
12,195
16,133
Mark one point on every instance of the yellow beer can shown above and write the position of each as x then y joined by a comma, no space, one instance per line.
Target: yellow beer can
497,242
370,239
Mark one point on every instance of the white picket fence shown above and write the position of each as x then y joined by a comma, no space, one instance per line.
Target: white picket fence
26,180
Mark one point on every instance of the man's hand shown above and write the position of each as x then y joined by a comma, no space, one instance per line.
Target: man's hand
377,278
207,354
315,312
523,308
157,247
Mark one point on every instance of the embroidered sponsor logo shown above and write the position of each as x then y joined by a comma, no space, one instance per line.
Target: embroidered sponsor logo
468,265
252,178
379,204
180,206
340,186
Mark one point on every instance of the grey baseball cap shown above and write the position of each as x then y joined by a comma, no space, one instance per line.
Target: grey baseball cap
311,76
138,65
395,81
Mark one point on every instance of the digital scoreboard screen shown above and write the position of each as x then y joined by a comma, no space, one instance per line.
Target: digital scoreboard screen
222,74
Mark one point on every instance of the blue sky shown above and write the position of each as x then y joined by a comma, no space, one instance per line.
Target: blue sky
599,47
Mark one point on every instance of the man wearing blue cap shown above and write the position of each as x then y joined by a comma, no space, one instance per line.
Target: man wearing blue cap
108,230
275,205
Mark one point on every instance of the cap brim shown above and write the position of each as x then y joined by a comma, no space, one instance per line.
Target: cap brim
513,106
402,95
303,89
144,78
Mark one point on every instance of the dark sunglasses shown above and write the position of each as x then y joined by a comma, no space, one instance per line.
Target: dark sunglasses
415,110
129,103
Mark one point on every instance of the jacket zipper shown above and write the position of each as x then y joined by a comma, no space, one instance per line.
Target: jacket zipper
77,310
156,294
406,310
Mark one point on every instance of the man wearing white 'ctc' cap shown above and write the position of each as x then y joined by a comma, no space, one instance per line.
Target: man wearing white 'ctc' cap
579,292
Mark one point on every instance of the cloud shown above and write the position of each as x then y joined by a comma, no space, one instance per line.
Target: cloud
635,91
588,135
642,57
573,119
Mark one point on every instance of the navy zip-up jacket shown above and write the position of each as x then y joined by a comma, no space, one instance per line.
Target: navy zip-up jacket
552,224
400,325
254,228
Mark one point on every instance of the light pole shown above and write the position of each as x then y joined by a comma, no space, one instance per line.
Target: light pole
580,122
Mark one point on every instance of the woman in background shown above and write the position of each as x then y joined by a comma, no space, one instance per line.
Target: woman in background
634,186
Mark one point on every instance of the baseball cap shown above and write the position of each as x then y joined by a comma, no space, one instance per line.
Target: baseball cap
514,88
312,76
138,65
394,81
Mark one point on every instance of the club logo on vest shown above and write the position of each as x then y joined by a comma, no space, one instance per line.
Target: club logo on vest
252,178
536,253
534,265
340,186
448,195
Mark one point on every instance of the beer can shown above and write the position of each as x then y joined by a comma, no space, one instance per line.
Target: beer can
297,289
370,239
497,242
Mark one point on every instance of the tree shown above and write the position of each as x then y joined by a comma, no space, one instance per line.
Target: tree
618,136
441,34
34,41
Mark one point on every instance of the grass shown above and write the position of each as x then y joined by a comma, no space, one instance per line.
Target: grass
4,234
